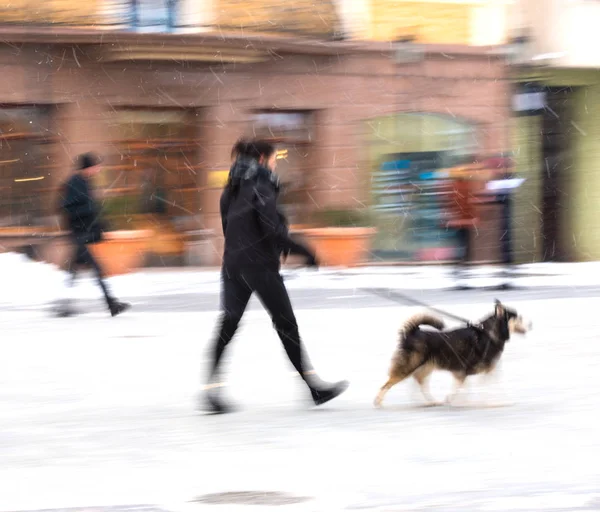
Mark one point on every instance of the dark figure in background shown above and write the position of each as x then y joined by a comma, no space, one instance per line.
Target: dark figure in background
462,218
84,222
256,236
503,166
153,194
506,241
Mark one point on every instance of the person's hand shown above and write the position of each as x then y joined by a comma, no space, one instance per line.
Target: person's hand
312,262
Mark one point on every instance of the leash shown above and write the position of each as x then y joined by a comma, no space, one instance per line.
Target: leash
398,297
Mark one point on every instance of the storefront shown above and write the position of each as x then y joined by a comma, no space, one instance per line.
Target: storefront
554,211
409,153
149,179
26,144
164,117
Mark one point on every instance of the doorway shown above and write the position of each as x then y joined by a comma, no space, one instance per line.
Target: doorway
558,131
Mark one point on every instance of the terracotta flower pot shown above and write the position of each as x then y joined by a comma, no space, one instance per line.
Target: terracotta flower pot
122,252
340,247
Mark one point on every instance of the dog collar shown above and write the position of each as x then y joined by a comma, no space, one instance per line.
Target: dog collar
477,326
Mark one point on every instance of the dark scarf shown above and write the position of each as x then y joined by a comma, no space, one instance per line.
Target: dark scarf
248,169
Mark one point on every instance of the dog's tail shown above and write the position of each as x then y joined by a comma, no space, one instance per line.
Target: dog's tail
415,321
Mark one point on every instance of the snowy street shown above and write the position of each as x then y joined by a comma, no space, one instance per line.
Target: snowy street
367,169
101,412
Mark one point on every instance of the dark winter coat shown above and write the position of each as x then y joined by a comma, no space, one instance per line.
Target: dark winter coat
255,229
82,211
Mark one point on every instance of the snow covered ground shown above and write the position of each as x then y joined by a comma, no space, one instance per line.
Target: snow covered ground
29,283
97,412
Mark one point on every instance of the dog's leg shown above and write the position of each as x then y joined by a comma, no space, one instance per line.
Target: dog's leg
391,382
459,382
492,375
492,386
403,364
421,375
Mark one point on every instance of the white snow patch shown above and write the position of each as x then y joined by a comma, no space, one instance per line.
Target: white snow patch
29,283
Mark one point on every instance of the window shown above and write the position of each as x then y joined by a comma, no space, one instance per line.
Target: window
154,13
290,126
154,164
406,153
25,165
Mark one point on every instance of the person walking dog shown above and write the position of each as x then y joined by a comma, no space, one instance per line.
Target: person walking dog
256,236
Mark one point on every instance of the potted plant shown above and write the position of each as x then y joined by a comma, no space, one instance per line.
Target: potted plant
340,237
124,247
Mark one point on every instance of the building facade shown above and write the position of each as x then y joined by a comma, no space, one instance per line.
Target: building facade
164,103
556,145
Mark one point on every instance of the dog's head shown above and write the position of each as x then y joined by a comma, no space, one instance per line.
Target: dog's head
508,321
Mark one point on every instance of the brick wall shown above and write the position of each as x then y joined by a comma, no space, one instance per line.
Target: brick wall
344,91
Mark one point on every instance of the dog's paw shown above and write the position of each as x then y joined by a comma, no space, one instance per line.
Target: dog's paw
377,403
457,400
449,400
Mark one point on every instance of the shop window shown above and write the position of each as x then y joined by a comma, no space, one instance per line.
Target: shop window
161,14
292,132
24,166
153,168
289,126
409,155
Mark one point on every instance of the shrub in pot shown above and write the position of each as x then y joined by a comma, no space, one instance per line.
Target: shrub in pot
341,237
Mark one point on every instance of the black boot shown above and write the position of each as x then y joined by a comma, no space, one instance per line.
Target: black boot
460,277
212,401
323,392
215,403
116,308
63,309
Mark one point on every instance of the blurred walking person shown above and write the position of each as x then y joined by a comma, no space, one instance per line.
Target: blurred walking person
256,236
86,228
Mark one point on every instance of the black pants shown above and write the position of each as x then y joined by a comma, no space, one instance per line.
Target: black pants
464,243
270,288
506,239
83,257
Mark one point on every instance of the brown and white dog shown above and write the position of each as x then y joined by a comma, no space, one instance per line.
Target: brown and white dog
466,351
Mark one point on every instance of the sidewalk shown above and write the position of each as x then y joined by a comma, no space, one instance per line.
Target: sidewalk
102,414
27,282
